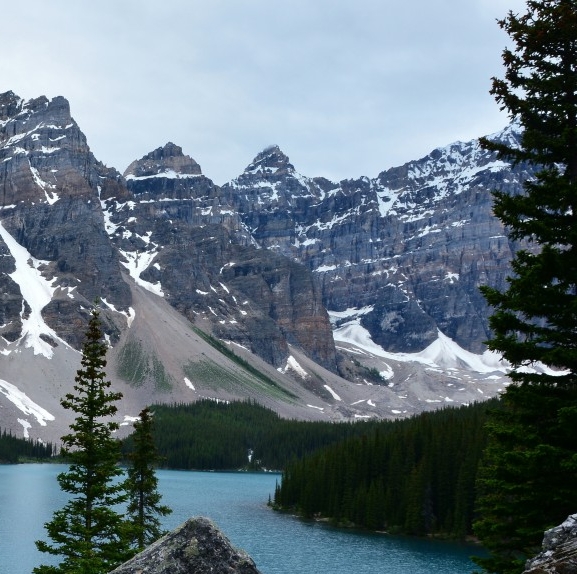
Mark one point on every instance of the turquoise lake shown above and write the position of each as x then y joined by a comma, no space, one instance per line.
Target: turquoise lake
236,502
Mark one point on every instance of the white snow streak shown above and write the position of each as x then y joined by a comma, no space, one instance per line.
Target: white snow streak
53,197
26,425
351,312
334,395
293,365
130,315
189,384
318,408
168,174
36,291
24,403
136,263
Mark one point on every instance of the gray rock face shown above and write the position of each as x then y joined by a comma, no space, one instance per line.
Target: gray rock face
166,225
414,244
195,547
559,555
168,160
410,247
51,184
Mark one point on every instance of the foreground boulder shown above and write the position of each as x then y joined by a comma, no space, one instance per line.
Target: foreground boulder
559,555
195,547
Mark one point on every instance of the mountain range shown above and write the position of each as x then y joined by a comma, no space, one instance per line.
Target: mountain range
322,300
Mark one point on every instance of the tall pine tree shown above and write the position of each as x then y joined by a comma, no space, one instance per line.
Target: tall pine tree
88,532
529,480
144,506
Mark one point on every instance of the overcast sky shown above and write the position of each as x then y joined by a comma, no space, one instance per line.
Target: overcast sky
345,87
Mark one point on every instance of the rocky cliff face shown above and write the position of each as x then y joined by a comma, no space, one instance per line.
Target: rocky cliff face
414,244
50,207
197,546
409,248
164,222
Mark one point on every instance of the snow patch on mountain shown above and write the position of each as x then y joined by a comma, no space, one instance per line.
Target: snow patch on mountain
47,188
350,313
130,314
137,262
442,353
293,365
333,394
24,404
25,426
37,292
445,353
386,200
168,174
189,384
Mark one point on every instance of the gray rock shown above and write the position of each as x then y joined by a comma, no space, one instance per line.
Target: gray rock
559,555
195,547
255,263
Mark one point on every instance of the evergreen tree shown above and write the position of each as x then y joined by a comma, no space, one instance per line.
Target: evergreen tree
144,506
535,319
87,531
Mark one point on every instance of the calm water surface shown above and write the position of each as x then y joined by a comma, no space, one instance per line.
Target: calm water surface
236,502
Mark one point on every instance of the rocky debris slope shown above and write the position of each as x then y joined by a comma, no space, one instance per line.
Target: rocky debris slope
559,555
197,546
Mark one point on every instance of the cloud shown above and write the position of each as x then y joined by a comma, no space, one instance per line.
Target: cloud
344,88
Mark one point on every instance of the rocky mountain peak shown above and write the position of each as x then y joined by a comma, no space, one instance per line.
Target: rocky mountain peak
270,161
167,161
269,184
45,156
18,116
9,105
510,136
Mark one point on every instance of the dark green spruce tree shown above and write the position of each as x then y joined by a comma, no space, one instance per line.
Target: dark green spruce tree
144,508
88,533
528,481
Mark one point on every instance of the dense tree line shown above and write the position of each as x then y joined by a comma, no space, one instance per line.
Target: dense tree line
210,435
414,476
14,449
